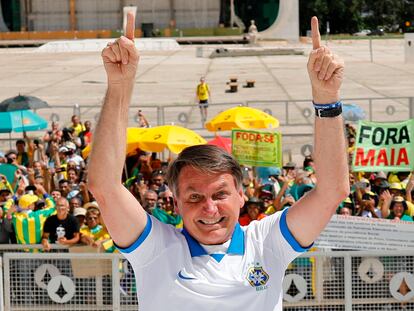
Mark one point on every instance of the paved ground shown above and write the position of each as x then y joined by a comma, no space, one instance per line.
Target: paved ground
169,79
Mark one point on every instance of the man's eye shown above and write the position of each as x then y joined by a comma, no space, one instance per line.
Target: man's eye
220,195
194,198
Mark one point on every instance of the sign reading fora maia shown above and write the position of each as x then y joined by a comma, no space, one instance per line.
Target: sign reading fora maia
384,146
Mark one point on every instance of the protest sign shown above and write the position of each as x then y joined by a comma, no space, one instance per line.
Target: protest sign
384,147
257,148
363,233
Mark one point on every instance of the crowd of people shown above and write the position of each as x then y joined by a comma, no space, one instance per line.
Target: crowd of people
48,200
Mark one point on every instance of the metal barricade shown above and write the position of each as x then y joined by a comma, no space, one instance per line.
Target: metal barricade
335,280
296,113
351,280
295,117
62,280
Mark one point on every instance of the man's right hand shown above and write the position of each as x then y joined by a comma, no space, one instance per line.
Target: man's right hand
120,58
46,245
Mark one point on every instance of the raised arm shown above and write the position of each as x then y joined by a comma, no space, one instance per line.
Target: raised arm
122,214
309,216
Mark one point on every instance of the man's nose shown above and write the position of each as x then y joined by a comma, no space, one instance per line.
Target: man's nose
210,206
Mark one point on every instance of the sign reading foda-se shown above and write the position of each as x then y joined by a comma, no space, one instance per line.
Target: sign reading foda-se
384,146
257,148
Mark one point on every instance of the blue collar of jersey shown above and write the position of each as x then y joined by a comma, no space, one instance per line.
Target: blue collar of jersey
236,246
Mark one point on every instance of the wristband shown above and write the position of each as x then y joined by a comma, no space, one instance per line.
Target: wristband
327,106
328,110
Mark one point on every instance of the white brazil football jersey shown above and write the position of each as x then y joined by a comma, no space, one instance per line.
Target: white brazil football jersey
174,272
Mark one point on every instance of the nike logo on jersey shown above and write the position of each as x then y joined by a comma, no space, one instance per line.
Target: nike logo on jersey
183,277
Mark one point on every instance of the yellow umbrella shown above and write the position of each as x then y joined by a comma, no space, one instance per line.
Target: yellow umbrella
241,118
133,138
173,137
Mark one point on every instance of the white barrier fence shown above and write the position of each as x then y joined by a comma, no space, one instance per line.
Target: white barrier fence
334,280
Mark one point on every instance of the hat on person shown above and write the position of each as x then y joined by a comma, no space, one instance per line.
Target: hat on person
72,194
265,194
264,173
347,201
63,149
254,200
26,200
396,186
309,169
380,175
70,145
290,165
398,198
368,195
91,204
79,211
384,184
274,171
364,180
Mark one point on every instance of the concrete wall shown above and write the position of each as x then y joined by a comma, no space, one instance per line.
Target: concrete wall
98,14
106,14
49,15
286,25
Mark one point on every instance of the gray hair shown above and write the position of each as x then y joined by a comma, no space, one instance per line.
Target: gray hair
208,159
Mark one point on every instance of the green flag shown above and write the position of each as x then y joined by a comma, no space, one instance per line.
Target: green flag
384,147
257,148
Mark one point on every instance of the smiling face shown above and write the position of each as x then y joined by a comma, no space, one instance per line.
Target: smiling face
398,209
62,208
209,204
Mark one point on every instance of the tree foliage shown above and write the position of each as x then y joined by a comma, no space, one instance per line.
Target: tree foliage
349,16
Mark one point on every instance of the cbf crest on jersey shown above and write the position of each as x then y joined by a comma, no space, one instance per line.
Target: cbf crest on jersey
257,277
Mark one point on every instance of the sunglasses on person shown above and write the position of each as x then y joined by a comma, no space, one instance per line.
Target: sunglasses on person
92,218
167,200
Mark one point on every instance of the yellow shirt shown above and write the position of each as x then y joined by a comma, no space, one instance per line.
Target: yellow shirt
78,129
410,209
97,234
202,91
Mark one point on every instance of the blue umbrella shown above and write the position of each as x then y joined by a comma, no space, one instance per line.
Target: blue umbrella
21,121
22,102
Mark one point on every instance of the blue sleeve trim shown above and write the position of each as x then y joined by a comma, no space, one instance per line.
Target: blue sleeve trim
289,236
140,239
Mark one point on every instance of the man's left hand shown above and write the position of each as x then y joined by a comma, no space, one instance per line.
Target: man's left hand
326,70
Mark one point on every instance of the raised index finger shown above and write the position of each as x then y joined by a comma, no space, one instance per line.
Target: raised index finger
316,36
130,26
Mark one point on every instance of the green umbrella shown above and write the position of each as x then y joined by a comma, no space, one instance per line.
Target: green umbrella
21,121
22,102
8,170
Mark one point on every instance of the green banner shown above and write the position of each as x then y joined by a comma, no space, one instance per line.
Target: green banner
257,148
384,147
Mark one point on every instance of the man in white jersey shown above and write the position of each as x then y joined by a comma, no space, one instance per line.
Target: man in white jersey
213,263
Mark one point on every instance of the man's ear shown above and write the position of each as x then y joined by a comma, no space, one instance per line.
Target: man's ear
241,195
176,208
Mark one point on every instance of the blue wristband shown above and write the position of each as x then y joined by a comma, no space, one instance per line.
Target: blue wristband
329,110
327,106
